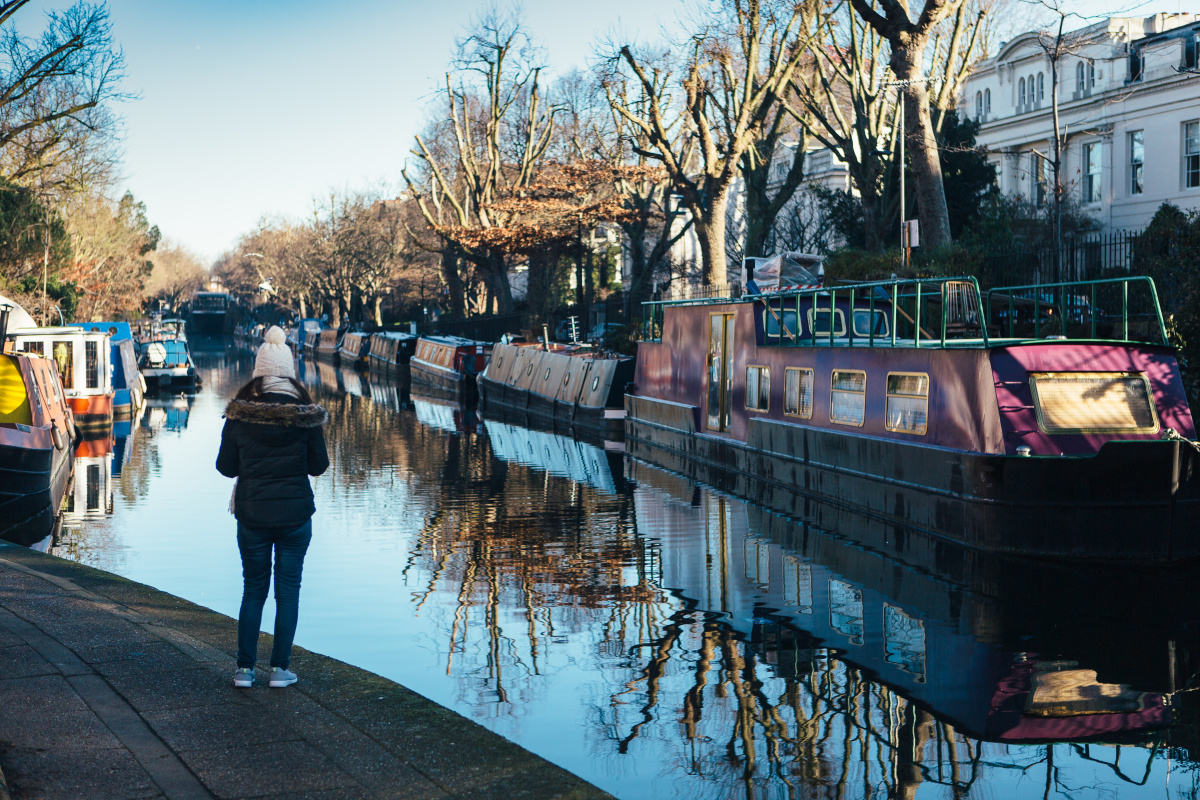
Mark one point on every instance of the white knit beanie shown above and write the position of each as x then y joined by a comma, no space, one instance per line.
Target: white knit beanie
274,357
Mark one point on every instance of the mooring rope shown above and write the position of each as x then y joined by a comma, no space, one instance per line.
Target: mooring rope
1172,435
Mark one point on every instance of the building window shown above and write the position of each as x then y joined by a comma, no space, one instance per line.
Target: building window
1091,72
798,392
1135,67
758,388
1021,93
1079,86
1031,96
848,397
1189,52
1091,163
979,105
1191,154
1137,157
1041,169
1041,87
907,402
987,101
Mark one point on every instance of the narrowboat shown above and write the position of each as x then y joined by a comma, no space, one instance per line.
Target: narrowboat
327,343
1045,420
167,366
311,337
391,350
129,386
83,360
36,431
559,383
208,312
297,336
354,348
449,364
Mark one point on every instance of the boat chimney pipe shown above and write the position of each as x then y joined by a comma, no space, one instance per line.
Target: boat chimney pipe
5,310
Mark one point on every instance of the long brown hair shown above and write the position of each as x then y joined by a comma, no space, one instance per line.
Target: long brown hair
254,390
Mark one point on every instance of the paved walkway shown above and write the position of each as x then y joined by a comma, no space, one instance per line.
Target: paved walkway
111,689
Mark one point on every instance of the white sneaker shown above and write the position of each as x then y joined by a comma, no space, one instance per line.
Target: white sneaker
243,678
281,678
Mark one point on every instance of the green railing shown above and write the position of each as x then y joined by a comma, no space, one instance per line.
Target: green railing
1076,310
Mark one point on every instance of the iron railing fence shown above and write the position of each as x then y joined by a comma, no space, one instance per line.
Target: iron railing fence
1083,257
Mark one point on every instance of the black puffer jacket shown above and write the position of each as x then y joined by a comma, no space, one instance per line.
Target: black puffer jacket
272,447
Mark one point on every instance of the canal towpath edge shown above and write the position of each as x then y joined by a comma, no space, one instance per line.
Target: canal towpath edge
109,688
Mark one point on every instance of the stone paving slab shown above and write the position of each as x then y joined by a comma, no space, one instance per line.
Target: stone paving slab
111,689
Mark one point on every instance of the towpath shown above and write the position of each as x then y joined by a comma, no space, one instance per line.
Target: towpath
111,689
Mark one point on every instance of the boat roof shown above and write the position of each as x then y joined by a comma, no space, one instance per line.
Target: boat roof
399,335
123,330
959,300
456,341
57,330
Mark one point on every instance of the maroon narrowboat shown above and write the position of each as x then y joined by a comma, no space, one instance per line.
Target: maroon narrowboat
1044,420
449,364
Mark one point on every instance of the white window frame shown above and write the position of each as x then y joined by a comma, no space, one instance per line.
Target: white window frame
1093,183
1191,150
1137,162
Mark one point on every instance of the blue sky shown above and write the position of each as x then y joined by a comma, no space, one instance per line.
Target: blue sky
255,107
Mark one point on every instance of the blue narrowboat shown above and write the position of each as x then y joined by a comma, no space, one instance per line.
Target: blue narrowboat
128,385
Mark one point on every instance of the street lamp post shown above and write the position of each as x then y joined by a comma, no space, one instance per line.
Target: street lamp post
905,234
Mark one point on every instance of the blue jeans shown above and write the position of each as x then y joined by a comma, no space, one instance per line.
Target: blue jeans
255,544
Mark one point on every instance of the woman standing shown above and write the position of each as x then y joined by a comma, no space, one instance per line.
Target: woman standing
272,442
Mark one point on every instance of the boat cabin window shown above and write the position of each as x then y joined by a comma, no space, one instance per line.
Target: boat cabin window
63,357
867,323
798,392
773,316
35,348
1093,402
848,397
758,388
818,322
91,360
907,402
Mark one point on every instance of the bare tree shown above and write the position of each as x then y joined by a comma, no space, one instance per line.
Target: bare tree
908,42
736,68
501,128
57,127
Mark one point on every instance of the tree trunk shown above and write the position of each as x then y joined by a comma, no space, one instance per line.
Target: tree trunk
454,284
335,312
921,145
303,307
710,229
377,307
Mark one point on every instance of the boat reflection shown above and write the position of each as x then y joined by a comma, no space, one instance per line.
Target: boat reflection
167,413
772,657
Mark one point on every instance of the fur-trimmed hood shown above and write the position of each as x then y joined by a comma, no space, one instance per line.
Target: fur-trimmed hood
288,415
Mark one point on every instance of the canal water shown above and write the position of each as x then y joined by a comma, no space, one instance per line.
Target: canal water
658,637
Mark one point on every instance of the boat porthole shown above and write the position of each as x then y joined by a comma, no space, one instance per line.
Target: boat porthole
566,379
595,382
547,375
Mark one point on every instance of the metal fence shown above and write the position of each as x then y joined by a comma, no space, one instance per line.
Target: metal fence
1082,257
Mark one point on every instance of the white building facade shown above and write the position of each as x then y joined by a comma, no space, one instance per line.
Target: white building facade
1129,107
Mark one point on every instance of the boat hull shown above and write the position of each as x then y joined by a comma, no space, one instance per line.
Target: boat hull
609,423
33,480
447,384
1132,501
93,413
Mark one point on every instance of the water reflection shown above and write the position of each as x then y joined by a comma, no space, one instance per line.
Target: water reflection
663,639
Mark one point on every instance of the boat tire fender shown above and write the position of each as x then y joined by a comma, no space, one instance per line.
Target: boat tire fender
60,441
